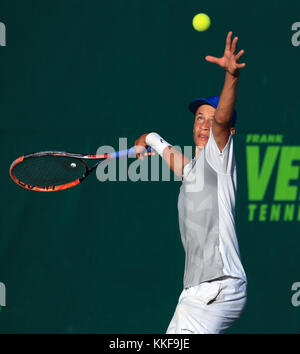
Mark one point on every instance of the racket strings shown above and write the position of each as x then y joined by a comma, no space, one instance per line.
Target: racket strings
49,170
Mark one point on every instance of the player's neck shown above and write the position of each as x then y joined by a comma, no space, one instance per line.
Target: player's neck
198,149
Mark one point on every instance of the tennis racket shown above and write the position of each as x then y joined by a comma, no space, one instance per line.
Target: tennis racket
51,171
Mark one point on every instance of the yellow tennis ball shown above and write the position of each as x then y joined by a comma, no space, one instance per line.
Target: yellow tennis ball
201,22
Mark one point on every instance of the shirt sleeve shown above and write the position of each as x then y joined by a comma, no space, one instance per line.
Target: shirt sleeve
221,161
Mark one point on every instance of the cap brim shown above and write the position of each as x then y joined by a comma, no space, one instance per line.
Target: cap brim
193,106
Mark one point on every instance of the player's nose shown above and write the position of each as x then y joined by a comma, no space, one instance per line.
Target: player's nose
206,125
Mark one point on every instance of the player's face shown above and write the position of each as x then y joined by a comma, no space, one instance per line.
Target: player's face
203,122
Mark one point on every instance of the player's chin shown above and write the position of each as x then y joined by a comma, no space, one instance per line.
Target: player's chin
201,142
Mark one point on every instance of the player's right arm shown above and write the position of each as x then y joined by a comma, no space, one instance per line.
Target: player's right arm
174,158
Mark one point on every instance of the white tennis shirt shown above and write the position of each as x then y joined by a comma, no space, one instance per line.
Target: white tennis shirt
206,208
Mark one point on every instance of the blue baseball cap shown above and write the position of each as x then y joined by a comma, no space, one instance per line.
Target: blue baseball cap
212,101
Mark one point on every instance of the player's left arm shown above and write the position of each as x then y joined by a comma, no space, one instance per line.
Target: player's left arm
229,62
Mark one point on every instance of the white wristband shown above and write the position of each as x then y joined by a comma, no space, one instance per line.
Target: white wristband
156,142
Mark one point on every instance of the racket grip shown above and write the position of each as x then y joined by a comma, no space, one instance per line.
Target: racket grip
126,153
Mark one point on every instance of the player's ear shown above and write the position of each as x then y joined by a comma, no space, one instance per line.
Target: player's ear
232,131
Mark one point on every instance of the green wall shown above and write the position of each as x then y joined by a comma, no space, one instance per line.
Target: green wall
107,257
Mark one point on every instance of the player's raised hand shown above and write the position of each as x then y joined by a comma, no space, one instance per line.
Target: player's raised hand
230,59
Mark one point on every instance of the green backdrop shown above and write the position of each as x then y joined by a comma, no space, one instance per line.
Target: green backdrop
107,257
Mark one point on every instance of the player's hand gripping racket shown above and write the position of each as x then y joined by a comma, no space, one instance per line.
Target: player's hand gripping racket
51,171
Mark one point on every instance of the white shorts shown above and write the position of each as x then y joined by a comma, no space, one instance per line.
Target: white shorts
209,308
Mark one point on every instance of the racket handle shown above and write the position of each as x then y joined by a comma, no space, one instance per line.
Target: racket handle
126,153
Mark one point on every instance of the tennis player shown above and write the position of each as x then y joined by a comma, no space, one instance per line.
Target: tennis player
215,284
